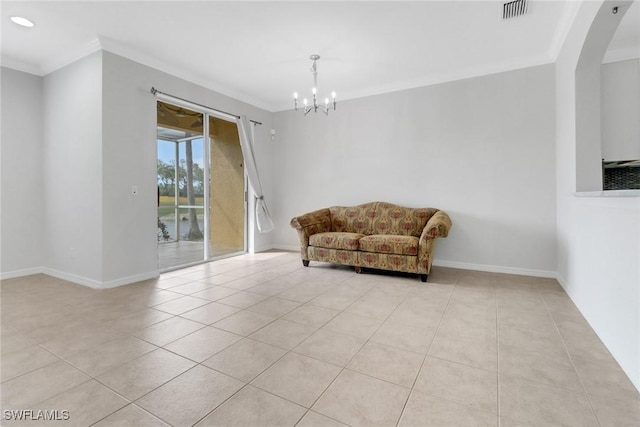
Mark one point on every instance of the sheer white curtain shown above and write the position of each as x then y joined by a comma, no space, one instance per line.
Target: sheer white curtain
264,223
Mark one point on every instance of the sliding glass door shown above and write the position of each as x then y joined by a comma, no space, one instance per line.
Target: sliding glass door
201,187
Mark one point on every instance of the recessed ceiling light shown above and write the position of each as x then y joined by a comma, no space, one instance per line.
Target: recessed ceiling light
23,22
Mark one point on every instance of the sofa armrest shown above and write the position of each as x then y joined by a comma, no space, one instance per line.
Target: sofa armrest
437,226
309,224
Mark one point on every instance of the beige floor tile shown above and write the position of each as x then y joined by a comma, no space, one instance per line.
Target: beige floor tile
69,343
387,363
274,306
71,325
218,279
330,347
314,419
540,404
451,381
283,334
86,403
200,389
339,297
303,293
215,293
243,299
203,343
311,315
41,384
359,400
139,376
107,356
210,313
404,337
23,361
159,296
297,378
423,410
376,307
245,359
616,410
604,378
243,283
478,352
244,322
15,341
354,324
416,314
162,333
252,407
131,416
272,287
181,305
551,368
138,320
191,288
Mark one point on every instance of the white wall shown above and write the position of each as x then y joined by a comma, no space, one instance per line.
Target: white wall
129,158
481,149
21,181
620,91
598,237
72,170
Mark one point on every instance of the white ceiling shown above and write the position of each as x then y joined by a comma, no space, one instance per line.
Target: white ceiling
258,51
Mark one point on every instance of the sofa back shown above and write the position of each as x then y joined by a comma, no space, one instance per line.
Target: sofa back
380,218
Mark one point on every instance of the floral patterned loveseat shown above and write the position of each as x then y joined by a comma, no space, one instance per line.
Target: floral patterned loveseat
375,235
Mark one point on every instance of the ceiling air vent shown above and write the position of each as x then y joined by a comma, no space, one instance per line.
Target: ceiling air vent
514,8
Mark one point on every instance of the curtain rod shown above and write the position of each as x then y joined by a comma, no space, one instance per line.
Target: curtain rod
155,91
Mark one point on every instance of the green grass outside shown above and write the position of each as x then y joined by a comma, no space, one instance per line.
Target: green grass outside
167,204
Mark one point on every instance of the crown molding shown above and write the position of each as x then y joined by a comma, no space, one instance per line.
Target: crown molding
71,57
434,79
16,64
180,72
621,54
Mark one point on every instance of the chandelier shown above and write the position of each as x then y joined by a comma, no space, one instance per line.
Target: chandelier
314,105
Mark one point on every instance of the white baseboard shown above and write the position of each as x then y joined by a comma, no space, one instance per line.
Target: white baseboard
80,280
288,248
20,273
496,269
467,266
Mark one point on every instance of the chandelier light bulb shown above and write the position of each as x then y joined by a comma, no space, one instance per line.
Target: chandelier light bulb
315,105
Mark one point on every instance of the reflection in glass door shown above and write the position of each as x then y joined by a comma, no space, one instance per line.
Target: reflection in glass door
201,209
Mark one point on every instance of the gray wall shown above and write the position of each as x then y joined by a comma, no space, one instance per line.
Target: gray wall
620,89
481,149
72,168
21,181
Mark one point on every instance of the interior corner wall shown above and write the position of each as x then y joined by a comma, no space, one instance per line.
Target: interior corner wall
72,171
130,155
481,149
598,237
21,178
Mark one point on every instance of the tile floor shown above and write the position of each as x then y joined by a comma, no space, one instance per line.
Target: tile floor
260,340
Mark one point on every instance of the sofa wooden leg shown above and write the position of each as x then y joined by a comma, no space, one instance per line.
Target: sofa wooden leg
357,269
423,277
305,262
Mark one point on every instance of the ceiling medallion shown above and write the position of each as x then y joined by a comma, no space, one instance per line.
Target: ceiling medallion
314,105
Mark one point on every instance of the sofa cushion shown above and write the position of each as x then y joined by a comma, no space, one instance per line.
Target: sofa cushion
389,244
398,220
335,240
353,219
